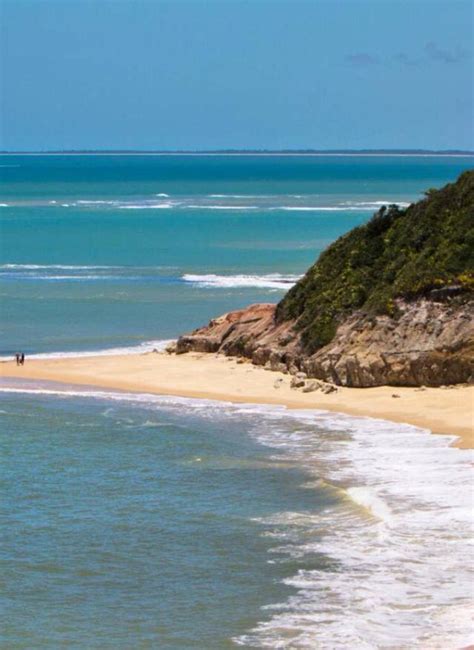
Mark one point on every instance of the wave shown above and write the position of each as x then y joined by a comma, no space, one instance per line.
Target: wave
239,196
375,205
158,345
148,206
68,267
92,273
201,206
225,202
271,281
383,566
89,202
49,272
369,500
86,273
388,546
82,267
345,207
312,208
75,278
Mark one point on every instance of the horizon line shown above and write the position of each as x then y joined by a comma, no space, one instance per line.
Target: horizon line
243,152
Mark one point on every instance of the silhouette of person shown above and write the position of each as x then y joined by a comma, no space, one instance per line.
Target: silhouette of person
22,359
17,358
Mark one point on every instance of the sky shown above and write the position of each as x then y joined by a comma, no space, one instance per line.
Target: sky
200,74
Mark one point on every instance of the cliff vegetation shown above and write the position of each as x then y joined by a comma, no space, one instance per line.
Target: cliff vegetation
421,251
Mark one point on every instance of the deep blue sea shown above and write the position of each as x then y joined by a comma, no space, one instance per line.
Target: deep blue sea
139,521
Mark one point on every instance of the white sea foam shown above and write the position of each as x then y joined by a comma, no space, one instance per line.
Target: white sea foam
239,196
391,574
203,206
79,273
310,208
80,267
271,280
97,202
148,206
367,498
377,204
226,202
68,278
347,206
158,345
68,267
49,272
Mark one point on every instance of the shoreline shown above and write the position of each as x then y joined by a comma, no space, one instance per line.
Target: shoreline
446,411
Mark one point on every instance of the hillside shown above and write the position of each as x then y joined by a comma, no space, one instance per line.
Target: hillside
390,302
398,253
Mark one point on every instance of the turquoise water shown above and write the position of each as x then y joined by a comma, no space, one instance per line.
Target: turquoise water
123,537
138,521
104,252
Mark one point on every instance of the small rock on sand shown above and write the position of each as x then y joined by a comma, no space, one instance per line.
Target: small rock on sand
311,386
297,383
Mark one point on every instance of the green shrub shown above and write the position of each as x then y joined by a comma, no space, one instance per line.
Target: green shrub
398,253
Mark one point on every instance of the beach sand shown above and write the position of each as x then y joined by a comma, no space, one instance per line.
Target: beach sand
442,410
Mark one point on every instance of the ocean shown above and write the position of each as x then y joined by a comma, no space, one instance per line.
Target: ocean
140,521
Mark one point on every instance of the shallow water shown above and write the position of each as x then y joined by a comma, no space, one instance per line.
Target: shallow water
135,520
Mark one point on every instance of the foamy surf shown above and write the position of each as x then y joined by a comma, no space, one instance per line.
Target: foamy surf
270,281
346,206
142,348
225,202
87,273
396,549
158,274
68,267
368,499
148,206
391,557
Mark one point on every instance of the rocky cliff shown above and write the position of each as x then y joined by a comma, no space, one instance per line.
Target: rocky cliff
430,343
390,302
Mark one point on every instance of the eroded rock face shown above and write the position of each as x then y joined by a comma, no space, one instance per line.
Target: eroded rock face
430,343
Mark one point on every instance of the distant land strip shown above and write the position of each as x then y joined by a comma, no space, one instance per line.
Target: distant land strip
244,152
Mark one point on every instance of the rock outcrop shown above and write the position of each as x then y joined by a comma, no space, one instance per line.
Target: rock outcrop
390,302
429,343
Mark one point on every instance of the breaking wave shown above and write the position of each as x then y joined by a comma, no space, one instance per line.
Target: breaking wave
158,274
270,281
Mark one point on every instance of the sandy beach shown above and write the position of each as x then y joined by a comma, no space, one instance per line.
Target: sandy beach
442,410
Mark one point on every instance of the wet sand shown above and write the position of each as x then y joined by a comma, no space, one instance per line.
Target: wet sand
442,410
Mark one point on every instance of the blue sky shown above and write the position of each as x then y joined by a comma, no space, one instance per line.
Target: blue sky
153,74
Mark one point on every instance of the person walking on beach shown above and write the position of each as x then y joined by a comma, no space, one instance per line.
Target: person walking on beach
17,358
22,359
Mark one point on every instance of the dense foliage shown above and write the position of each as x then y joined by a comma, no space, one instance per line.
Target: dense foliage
408,253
